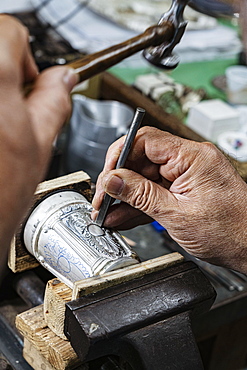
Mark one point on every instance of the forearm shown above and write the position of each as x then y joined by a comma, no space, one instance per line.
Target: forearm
28,125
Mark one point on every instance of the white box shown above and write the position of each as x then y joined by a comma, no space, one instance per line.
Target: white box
210,118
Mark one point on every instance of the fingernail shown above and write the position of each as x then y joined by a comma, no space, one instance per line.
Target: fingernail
71,78
114,185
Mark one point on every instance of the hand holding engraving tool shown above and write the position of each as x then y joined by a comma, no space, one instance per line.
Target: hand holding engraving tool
188,187
134,126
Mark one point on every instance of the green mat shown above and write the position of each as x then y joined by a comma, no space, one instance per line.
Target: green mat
196,75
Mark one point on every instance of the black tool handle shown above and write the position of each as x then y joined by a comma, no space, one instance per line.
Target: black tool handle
135,124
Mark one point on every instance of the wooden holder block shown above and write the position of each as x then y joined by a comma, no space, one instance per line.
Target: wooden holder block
97,283
58,294
19,258
35,359
45,344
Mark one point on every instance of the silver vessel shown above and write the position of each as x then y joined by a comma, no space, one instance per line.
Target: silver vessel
63,238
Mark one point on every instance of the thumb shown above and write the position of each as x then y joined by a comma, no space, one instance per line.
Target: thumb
139,192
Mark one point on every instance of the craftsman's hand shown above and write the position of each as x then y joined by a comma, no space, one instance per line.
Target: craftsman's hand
28,125
190,188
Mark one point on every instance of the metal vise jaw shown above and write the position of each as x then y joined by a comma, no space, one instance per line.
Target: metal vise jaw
162,56
145,321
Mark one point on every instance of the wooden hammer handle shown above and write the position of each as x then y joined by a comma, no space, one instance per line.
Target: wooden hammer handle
95,63
98,62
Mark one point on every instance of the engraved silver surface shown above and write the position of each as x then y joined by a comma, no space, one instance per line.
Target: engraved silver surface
61,235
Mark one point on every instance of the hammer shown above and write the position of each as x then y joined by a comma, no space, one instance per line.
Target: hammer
158,41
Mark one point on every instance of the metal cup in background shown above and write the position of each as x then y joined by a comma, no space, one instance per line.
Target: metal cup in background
236,80
94,125
60,234
90,158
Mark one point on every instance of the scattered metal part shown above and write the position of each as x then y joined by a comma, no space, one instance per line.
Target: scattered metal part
223,276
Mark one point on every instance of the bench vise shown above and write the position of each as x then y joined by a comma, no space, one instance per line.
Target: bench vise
146,321
141,313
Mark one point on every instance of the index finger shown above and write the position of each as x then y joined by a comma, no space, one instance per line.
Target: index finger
17,62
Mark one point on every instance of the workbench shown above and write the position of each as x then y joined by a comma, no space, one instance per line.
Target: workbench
220,333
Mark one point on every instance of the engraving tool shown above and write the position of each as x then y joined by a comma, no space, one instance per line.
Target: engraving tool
134,126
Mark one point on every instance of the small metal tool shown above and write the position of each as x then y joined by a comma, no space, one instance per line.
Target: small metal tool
134,126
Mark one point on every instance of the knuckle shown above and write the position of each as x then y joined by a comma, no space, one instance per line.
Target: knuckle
208,147
145,199
145,129
213,154
16,29
17,38
148,131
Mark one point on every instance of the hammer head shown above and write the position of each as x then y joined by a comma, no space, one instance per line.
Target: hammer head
162,56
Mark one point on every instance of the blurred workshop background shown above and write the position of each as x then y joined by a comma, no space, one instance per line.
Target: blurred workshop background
204,98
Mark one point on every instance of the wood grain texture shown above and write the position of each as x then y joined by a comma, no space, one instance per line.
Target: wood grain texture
98,62
19,258
57,294
96,283
55,350
38,362
34,358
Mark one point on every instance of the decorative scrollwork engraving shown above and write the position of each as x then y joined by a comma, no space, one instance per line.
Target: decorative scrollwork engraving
62,236
106,244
